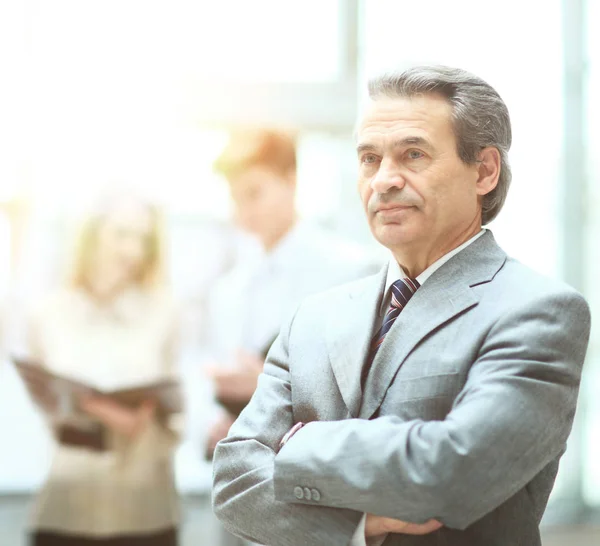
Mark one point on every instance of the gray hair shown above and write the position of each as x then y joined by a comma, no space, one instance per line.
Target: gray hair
479,116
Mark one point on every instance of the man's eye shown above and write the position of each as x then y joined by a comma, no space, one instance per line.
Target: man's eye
415,154
369,158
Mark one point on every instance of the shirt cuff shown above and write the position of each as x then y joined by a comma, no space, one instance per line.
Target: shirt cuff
358,538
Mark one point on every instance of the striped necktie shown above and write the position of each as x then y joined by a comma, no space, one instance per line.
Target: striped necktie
402,291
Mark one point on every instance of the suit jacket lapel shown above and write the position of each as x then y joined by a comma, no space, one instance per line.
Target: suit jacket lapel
443,296
349,332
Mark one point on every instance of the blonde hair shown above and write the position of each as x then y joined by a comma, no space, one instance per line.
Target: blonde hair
152,274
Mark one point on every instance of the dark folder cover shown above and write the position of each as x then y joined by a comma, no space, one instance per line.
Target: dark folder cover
58,396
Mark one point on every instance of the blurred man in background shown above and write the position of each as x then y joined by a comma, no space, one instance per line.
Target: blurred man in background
292,260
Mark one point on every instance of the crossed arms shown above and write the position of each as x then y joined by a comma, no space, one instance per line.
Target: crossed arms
511,419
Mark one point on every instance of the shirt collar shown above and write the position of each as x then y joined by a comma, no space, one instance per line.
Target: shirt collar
395,272
285,253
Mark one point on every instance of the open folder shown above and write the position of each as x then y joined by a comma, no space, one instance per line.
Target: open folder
59,396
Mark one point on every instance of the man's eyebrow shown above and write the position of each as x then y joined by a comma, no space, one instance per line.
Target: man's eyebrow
401,143
365,147
412,141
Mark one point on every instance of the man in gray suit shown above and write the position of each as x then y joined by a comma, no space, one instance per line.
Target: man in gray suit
429,404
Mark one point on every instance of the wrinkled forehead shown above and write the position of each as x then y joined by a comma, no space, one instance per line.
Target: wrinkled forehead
427,113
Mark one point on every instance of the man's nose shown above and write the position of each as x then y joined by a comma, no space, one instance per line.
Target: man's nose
388,176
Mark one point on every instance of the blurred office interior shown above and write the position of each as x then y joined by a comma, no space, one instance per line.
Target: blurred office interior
145,93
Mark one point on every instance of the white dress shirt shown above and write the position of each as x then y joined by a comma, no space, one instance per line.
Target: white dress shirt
395,273
249,304
130,488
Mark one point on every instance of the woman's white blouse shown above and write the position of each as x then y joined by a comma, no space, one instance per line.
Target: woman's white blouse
130,488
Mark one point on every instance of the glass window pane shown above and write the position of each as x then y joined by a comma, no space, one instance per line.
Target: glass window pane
262,40
269,40
172,164
524,64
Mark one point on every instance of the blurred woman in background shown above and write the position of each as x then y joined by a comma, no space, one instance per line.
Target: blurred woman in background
113,325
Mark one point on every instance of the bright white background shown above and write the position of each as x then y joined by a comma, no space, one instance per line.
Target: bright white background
142,92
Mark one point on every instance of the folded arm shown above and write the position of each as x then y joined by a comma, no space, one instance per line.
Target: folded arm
511,419
243,490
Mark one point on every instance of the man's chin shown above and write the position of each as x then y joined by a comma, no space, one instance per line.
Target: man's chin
394,235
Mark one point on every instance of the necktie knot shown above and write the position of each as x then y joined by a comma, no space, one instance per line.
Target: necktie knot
402,291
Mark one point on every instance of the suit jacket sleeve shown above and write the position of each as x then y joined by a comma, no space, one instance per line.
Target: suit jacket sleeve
243,492
511,419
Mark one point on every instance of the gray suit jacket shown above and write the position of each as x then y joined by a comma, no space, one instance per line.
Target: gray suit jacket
464,416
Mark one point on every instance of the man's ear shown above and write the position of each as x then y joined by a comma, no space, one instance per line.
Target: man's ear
488,170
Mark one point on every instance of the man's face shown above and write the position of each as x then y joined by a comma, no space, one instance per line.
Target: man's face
415,189
263,202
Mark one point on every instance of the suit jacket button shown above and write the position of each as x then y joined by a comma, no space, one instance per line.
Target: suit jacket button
298,493
316,496
307,494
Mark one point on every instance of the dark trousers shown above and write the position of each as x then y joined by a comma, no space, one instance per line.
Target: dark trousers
163,538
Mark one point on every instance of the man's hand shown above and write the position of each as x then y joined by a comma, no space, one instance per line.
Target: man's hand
217,432
237,384
129,422
378,525
44,398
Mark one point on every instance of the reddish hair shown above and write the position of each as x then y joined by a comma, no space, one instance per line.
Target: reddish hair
271,149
